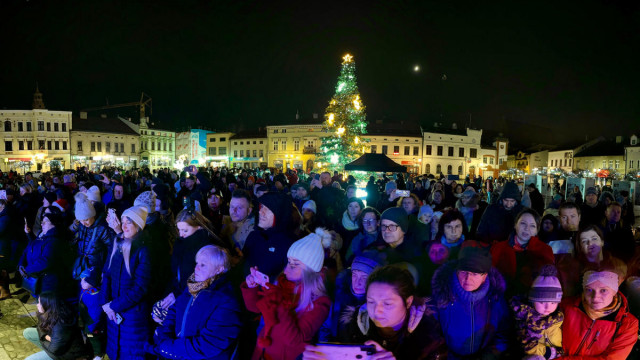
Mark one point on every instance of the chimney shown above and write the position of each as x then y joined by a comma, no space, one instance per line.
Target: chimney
83,115
435,124
618,139
297,115
315,115
104,116
454,126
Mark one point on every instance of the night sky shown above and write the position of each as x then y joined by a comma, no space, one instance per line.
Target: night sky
571,67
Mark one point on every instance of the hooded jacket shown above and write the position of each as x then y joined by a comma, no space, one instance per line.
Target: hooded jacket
419,338
267,249
474,324
497,222
611,337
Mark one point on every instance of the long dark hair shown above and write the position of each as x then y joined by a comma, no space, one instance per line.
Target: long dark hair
55,310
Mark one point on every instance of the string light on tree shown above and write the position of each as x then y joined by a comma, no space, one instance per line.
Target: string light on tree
345,121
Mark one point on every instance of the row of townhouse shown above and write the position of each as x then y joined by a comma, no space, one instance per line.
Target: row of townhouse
293,146
41,139
599,157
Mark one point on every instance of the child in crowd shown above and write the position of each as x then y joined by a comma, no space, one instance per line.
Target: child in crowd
538,320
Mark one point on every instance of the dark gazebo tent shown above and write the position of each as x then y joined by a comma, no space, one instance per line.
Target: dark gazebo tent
376,163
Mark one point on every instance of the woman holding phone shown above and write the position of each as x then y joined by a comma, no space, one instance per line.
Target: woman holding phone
389,322
125,284
294,308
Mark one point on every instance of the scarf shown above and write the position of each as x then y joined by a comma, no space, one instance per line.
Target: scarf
449,245
196,286
597,314
347,223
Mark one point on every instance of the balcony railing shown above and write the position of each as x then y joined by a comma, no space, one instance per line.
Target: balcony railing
309,150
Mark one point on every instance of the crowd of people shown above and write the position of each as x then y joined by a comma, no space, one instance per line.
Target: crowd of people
254,264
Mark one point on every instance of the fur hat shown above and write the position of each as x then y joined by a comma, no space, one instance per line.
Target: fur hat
311,205
310,249
148,200
93,194
398,216
546,287
137,214
84,208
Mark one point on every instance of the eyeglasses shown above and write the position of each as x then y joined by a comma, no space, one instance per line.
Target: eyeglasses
369,221
389,227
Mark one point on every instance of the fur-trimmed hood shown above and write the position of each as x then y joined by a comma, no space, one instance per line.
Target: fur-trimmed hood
361,316
441,285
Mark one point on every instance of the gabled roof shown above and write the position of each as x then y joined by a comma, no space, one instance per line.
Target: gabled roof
604,148
103,125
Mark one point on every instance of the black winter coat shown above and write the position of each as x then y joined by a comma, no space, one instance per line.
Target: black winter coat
93,243
66,342
183,259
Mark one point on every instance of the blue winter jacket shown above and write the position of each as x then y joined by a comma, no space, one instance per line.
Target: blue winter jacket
128,297
474,324
202,327
44,256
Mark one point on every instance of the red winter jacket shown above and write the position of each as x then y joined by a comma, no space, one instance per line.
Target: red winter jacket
536,255
583,338
292,331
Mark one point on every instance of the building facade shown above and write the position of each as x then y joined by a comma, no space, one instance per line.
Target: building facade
218,149
401,143
453,152
561,159
35,140
157,146
191,146
249,150
102,141
293,146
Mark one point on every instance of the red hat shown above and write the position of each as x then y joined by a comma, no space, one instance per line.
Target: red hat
61,204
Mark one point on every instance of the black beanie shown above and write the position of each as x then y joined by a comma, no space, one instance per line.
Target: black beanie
474,259
398,216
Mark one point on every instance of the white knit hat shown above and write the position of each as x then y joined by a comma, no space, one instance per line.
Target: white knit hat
84,207
93,194
137,214
310,249
311,205
148,200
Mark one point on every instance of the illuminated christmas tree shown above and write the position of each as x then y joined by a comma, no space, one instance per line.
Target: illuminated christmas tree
345,122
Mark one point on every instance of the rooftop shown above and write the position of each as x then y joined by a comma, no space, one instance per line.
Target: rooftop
604,148
104,125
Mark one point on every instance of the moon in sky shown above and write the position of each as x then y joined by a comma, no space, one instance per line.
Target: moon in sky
416,68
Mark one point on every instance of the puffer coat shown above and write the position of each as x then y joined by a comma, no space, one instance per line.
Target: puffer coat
128,296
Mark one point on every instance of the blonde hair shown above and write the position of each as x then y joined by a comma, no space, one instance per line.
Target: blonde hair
311,288
125,247
217,256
